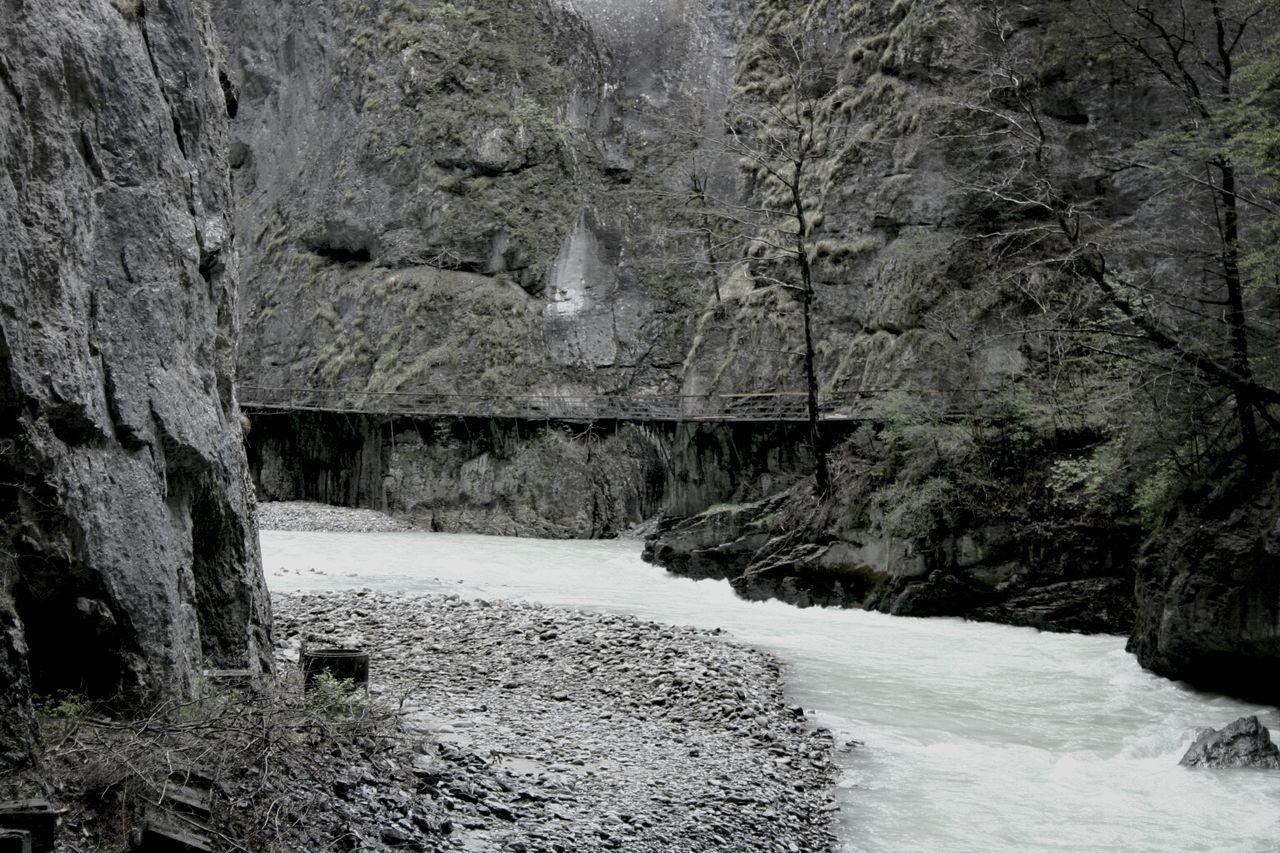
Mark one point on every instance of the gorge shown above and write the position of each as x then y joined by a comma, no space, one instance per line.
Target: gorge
1003,273
1025,411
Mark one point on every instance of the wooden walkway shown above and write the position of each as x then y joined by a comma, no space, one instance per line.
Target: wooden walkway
773,406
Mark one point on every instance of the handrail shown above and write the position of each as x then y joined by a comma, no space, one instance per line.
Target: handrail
741,406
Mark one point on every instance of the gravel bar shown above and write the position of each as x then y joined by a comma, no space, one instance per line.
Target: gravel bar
305,516
538,729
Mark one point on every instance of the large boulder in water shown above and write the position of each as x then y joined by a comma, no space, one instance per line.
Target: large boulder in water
1244,743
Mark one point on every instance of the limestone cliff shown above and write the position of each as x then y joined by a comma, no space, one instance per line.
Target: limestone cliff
129,557
585,197
458,198
468,475
956,492
1209,591
995,275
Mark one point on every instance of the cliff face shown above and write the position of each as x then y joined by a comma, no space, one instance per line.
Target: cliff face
1209,593
458,198
129,557
468,475
510,197
967,488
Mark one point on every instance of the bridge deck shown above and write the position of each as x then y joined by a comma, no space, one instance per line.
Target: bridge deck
774,406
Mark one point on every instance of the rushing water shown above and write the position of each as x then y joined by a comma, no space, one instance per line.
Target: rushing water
977,737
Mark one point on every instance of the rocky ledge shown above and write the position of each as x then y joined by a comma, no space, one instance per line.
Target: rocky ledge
773,549
539,729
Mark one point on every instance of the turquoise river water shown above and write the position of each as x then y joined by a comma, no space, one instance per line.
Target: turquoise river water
977,737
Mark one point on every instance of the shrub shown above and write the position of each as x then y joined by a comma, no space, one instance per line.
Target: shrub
338,699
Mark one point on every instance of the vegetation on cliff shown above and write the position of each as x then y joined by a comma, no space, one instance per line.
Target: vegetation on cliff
1062,266
1033,243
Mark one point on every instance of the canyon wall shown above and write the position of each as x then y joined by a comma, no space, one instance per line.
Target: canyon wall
129,559
457,198
587,198
468,475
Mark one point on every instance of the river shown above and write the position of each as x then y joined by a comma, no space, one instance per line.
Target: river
977,737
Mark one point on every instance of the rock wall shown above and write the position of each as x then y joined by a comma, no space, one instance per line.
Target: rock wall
1208,592
457,198
500,197
329,458
734,463
129,558
1011,552
468,475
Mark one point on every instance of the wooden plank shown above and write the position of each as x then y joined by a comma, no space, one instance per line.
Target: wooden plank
187,800
163,833
35,817
15,841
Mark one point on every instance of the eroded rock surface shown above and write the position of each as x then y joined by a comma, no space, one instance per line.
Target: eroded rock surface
1244,743
459,197
130,556
1209,595
511,478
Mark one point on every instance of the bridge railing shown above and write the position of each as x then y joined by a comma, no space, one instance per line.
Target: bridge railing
757,406
639,407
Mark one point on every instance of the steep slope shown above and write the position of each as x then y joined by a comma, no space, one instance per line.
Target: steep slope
457,198
1004,233
1209,591
1000,207
130,556
958,493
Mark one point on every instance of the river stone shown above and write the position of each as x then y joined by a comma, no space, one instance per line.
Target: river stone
1244,743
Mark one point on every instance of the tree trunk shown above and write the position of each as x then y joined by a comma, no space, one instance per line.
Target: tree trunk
822,474
1235,310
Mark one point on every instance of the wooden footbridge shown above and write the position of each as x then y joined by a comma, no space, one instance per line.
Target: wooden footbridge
771,406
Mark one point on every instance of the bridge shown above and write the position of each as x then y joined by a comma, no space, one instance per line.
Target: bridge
763,406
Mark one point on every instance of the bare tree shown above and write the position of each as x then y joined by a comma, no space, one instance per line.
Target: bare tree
779,135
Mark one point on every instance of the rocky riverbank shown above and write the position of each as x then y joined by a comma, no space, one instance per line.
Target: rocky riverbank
307,516
486,727
529,728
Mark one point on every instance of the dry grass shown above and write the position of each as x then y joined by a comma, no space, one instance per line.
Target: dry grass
273,759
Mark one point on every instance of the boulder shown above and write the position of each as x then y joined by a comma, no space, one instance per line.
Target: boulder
1244,743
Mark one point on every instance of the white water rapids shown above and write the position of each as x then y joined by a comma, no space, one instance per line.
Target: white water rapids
977,737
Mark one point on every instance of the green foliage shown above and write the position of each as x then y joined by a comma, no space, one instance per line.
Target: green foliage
911,510
67,707
1157,493
1253,141
338,699
1098,482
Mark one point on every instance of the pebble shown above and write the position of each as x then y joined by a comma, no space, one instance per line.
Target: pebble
306,516
535,729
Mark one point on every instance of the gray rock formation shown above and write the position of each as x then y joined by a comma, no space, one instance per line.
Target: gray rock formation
1208,594
787,547
467,476
1244,743
494,197
458,198
129,555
